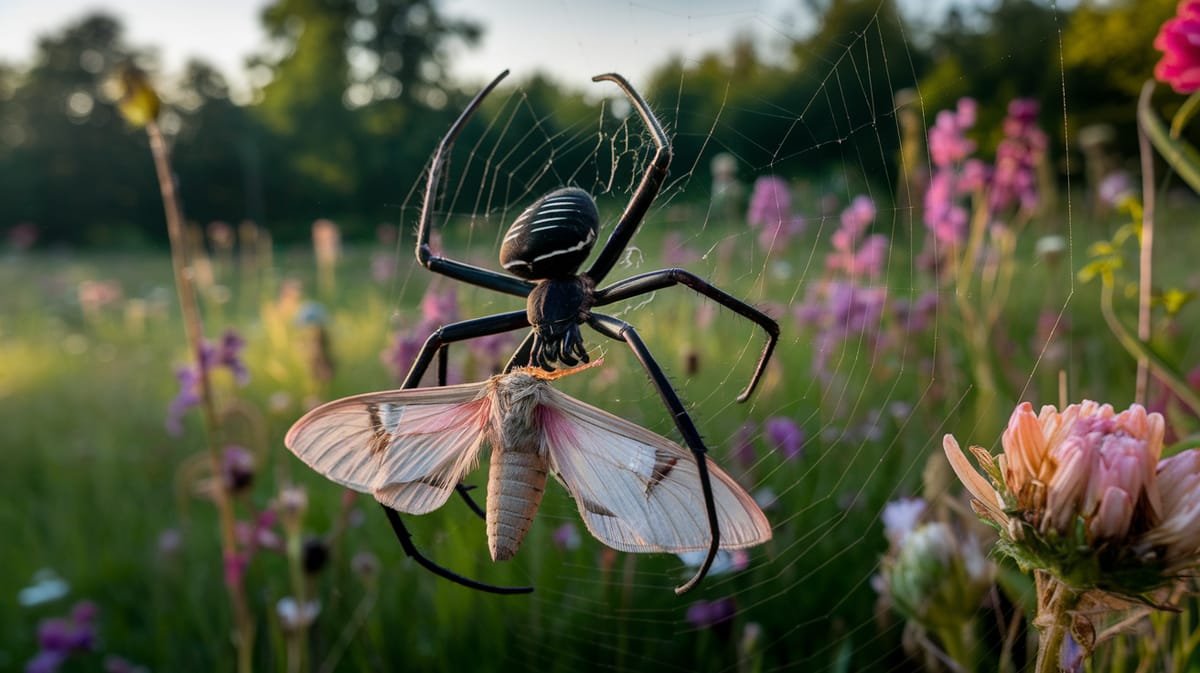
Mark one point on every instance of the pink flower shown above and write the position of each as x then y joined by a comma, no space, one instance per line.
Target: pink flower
1087,462
1179,529
1179,41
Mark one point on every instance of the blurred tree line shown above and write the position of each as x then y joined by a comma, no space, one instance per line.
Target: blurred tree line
350,98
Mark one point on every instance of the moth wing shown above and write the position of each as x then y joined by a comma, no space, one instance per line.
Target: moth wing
409,448
638,491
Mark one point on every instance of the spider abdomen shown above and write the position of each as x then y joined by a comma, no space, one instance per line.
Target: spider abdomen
553,236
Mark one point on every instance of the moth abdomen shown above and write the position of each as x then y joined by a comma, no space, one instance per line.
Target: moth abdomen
516,482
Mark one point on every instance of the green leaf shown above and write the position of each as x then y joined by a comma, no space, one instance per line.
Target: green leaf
1177,152
1188,110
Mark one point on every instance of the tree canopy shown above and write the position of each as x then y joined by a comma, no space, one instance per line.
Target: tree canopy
350,98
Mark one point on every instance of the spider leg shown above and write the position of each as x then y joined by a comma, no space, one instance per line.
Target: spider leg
461,331
657,280
462,489
623,331
437,345
467,273
521,357
405,538
647,191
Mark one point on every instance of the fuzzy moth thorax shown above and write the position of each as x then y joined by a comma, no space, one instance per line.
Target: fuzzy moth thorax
518,469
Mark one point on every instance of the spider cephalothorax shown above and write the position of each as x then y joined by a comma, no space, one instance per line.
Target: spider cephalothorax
542,252
556,309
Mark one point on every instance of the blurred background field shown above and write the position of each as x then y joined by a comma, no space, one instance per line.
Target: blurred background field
108,496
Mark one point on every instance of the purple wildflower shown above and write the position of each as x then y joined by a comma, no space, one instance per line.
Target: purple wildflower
45,661
59,638
676,252
1116,188
383,267
852,254
770,212
439,308
227,353
712,614
399,357
55,634
235,568
743,444
237,468
566,537
944,215
900,517
492,350
918,315
785,435
188,397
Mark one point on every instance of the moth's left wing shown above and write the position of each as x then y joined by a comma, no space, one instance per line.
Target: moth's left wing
407,447
638,491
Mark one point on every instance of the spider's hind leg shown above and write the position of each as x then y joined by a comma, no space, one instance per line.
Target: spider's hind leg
623,331
406,543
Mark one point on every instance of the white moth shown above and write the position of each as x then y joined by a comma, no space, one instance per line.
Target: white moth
636,491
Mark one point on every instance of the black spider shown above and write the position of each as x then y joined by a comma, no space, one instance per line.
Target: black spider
543,250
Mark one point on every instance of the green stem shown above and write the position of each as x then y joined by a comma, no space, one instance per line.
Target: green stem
1054,613
1146,246
1138,349
193,328
958,642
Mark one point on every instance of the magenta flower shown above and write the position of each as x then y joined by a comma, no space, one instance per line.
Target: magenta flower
948,144
1014,177
1179,41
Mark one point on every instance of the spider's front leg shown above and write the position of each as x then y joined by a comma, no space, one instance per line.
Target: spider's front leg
466,273
436,346
657,280
623,331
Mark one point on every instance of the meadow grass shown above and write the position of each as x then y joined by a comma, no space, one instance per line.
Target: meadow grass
91,479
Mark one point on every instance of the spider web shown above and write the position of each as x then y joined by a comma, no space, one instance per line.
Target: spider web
872,403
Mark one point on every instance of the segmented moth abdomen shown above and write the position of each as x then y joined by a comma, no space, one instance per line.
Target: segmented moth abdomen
516,482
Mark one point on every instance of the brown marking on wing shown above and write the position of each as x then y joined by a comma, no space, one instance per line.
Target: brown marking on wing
434,481
598,509
381,438
663,464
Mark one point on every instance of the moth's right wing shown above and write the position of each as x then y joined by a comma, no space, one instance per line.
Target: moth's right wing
409,448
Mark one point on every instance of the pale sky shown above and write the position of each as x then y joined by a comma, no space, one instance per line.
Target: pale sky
570,39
